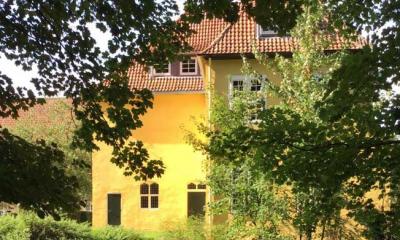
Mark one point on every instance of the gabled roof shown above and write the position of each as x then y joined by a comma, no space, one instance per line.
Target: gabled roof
241,36
217,37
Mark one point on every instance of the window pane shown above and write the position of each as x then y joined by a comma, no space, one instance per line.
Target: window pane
144,202
161,68
189,66
191,186
154,188
201,186
154,202
144,188
255,85
237,85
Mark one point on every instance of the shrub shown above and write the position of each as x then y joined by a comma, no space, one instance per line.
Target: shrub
115,233
12,229
195,229
27,226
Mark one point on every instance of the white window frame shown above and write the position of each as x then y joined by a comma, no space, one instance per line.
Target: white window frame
155,73
190,73
246,86
244,79
261,33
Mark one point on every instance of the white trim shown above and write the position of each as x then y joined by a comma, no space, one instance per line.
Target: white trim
233,78
265,33
190,73
179,92
153,71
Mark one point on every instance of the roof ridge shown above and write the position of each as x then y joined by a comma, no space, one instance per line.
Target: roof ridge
212,44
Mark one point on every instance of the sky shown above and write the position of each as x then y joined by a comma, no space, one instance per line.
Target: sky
22,78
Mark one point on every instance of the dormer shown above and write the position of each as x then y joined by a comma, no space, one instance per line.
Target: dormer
161,69
187,67
265,32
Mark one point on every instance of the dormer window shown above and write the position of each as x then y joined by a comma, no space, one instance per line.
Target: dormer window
161,69
189,67
265,32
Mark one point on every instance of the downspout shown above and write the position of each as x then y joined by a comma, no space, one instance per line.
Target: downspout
209,123
209,91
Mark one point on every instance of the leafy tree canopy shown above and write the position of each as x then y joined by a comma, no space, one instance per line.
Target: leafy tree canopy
55,37
333,138
55,123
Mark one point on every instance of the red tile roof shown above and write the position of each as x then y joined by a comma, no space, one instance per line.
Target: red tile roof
140,78
40,113
217,37
241,36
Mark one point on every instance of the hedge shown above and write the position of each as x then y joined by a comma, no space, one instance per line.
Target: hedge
27,226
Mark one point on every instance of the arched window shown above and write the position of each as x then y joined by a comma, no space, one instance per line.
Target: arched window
191,186
149,195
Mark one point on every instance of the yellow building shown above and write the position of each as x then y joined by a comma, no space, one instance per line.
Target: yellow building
180,93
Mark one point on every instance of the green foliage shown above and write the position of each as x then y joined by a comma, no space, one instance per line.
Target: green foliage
274,14
195,229
55,38
259,207
331,140
34,175
27,226
115,233
57,126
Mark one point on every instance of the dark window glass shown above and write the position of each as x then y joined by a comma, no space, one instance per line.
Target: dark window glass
154,201
188,66
191,186
161,68
237,85
265,32
201,186
144,202
144,188
255,86
154,188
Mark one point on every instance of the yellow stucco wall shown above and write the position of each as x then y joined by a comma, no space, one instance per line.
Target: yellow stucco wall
164,138
222,70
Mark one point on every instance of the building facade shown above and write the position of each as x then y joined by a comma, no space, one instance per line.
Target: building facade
181,92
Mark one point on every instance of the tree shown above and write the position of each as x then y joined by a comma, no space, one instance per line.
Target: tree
56,125
332,138
41,166
55,37
259,207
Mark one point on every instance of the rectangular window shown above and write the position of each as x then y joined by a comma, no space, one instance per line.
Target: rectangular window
144,202
149,195
263,32
255,85
240,83
189,67
161,69
154,201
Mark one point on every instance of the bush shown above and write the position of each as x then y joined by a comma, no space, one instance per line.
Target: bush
27,226
195,229
115,233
